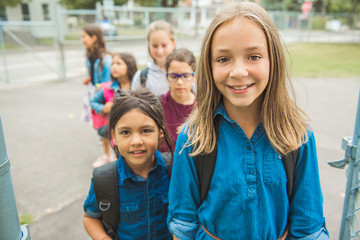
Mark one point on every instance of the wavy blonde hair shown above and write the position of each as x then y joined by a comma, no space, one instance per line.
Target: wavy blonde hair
284,123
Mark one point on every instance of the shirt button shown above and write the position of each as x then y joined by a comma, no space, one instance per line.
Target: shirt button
251,171
249,148
279,156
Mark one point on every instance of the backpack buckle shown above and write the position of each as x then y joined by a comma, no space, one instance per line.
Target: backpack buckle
104,205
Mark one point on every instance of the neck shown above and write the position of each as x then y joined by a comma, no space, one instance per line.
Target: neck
248,118
124,83
184,99
143,170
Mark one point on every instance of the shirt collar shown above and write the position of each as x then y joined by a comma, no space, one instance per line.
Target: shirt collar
220,111
126,173
115,85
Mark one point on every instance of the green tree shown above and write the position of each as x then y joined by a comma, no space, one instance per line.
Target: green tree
83,4
9,3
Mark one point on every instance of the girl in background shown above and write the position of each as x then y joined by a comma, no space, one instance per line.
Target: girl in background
180,100
137,126
161,41
123,68
242,92
98,64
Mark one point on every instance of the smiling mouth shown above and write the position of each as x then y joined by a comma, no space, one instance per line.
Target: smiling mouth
241,87
137,152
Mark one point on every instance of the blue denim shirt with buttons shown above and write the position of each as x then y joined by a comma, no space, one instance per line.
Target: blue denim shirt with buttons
247,198
143,202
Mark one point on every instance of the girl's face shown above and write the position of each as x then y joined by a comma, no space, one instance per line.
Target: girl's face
180,86
160,46
240,63
137,137
118,67
87,40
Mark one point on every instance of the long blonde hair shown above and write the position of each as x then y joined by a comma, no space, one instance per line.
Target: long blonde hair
284,123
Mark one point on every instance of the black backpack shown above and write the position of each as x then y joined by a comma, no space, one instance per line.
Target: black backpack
143,76
205,164
107,194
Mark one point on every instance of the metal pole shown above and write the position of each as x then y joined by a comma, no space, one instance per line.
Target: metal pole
59,42
352,179
4,54
9,219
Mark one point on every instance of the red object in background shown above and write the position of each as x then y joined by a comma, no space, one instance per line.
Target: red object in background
306,8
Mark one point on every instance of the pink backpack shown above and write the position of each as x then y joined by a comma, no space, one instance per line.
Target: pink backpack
100,120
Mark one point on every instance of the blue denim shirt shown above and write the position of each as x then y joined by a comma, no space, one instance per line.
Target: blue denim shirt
143,203
103,74
247,198
97,102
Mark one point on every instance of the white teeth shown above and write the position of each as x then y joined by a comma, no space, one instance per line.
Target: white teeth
240,88
137,151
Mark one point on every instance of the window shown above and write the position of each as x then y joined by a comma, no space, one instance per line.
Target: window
3,16
46,12
25,11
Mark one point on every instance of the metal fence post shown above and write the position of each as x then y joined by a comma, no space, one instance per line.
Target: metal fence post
9,219
3,53
59,42
350,224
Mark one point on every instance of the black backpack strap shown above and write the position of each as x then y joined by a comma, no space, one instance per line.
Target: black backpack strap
290,162
143,76
205,164
107,196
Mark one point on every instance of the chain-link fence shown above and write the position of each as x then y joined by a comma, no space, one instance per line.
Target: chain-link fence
40,44
350,222
29,52
123,22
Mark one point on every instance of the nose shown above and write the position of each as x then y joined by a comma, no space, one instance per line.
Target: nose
180,80
160,50
239,69
136,140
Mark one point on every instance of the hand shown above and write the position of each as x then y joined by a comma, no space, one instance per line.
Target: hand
86,80
107,107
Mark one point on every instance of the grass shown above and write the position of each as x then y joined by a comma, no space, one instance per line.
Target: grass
335,60
26,219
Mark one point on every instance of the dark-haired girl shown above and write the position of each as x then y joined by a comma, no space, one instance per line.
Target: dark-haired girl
137,127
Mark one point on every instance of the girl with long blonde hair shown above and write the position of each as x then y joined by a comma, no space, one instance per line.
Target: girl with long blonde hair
245,111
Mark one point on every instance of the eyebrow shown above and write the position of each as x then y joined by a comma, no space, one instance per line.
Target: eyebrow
142,127
252,48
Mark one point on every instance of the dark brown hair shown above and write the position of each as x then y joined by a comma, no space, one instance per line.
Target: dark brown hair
130,62
181,55
143,100
98,49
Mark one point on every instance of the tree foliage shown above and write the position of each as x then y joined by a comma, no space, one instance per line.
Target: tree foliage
9,3
323,6
85,4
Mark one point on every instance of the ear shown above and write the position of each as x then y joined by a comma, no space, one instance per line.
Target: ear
94,38
113,137
161,136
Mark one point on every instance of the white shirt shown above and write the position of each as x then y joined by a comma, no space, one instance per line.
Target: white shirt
155,82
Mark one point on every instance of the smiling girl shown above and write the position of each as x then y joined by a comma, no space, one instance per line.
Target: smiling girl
161,42
244,111
137,126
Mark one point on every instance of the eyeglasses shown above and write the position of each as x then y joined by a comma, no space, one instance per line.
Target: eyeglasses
186,77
